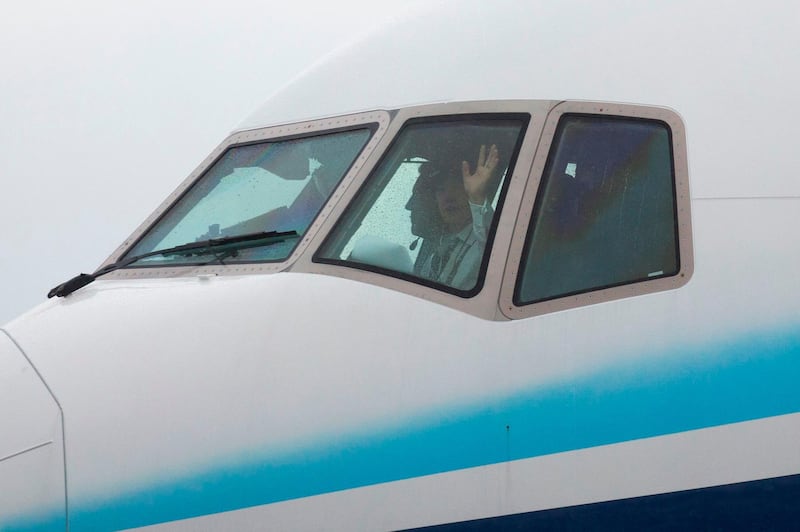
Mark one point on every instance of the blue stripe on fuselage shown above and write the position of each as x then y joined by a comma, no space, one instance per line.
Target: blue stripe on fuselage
706,386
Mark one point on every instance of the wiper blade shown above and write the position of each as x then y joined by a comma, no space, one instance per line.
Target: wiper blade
245,241
237,242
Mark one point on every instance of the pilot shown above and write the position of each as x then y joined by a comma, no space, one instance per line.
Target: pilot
453,248
426,224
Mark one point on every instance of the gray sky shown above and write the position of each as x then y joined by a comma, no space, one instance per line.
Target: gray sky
107,106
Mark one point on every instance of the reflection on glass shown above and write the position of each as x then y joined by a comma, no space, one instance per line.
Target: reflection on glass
268,186
605,215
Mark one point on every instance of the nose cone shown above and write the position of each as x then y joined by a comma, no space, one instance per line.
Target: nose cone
31,447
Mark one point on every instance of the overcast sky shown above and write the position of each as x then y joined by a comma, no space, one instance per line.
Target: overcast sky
107,106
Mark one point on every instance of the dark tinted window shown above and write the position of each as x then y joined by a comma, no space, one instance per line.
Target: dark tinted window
605,212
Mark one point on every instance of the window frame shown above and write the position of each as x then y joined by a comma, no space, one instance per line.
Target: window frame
376,121
484,303
673,122
494,301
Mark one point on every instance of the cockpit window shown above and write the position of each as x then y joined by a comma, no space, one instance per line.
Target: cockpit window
275,186
606,210
428,211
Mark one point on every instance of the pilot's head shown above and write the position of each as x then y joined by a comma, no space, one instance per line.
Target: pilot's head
439,203
425,220
451,201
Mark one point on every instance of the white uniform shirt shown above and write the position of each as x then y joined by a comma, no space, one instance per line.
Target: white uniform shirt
457,258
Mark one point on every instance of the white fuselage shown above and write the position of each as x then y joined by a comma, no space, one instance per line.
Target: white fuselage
304,395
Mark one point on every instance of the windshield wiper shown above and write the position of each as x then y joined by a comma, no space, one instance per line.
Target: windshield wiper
214,245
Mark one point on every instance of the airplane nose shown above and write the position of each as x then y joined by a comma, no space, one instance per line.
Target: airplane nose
31,445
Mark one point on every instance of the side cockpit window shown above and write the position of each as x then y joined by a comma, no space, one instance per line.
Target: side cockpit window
428,210
605,214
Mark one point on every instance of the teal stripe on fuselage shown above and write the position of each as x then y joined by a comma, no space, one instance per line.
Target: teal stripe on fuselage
750,378
44,522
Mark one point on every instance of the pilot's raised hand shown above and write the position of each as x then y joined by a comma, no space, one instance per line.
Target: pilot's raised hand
477,183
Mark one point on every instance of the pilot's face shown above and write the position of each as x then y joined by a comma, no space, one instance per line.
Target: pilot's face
420,215
453,203
423,213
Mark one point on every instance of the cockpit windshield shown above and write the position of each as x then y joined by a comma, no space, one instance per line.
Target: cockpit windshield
267,186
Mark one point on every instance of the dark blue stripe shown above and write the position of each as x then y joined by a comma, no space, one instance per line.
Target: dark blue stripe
759,505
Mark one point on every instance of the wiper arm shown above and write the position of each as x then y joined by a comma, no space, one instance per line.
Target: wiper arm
250,240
